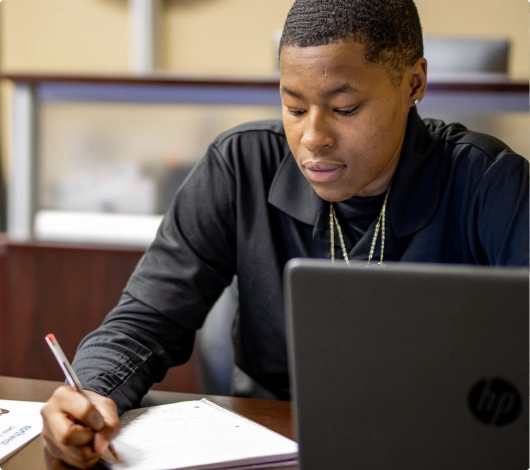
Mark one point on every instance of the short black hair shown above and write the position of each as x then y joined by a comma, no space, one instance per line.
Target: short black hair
390,30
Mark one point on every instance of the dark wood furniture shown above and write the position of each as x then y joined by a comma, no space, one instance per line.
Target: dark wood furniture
275,415
65,289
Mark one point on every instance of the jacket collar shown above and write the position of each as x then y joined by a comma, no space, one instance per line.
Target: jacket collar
415,186
293,194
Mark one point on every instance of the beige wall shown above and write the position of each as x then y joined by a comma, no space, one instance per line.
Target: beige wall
208,36
222,36
204,36
64,35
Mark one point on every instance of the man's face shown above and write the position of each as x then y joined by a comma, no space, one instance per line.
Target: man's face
344,118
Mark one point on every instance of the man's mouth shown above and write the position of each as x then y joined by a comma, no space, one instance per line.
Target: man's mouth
323,172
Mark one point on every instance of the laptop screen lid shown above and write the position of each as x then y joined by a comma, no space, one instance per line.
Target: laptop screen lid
408,366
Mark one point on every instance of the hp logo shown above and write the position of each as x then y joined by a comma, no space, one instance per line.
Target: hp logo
495,402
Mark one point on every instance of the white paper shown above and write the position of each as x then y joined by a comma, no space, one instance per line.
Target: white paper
198,435
20,422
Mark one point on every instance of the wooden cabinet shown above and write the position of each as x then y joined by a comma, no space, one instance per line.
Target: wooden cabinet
65,289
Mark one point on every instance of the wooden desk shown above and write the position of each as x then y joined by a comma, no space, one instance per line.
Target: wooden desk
275,415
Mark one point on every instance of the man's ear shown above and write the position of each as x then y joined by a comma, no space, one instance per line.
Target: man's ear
416,77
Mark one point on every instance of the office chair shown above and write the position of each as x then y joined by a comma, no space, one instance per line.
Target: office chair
215,353
218,373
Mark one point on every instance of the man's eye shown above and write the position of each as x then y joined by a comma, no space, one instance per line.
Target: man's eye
346,112
295,112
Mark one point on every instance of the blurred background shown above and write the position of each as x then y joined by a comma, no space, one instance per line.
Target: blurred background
94,152
106,104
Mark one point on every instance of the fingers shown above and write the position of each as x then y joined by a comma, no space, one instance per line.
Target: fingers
109,413
77,457
77,429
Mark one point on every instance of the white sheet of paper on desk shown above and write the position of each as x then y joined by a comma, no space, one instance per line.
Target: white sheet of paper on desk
21,424
198,435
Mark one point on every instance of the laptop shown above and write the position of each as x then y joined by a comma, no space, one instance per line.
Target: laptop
408,366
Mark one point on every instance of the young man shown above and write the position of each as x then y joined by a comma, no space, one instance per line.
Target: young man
352,153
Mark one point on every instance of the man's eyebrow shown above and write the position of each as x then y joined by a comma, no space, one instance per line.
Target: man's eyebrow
344,88
284,89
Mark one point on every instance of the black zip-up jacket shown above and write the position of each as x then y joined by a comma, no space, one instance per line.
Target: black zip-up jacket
457,197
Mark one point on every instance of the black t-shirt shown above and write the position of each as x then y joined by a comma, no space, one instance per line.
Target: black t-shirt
355,216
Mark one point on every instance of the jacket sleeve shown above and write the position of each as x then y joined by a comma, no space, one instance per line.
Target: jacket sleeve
499,220
181,275
193,257
131,350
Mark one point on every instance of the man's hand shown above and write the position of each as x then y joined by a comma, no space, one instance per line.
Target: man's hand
78,430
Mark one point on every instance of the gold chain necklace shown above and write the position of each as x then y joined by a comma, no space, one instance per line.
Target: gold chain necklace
381,224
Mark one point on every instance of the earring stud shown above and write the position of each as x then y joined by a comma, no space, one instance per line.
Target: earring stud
416,101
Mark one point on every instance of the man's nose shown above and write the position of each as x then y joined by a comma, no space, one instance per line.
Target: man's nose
317,133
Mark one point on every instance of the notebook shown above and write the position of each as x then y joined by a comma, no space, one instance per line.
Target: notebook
20,423
197,435
409,366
